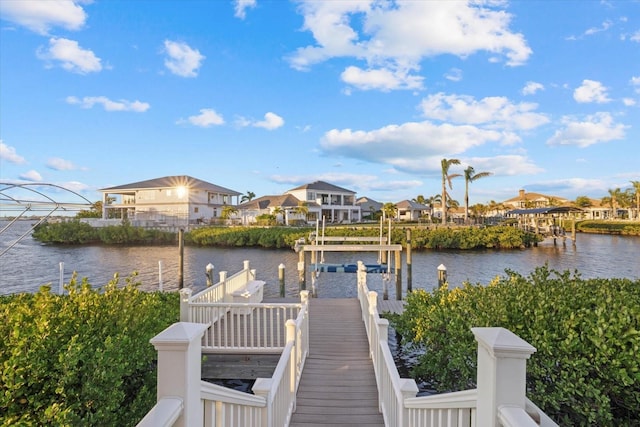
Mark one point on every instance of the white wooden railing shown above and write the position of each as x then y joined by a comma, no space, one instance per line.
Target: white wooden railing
184,400
499,400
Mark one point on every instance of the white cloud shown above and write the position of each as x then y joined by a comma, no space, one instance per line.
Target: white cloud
493,112
9,154
181,59
41,16
75,186
59,164
531,88
505,165
591,91
205,119
409,147
603,27
454,74
70,56
381,79
32,176
635,82
109,105
594,129
629,102
360,183
241,7
271,121
636,36
397,37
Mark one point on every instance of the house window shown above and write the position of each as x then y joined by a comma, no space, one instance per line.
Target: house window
225,199
311,195
195,210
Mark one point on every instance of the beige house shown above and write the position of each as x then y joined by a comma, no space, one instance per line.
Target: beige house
172,200
534,200
408,210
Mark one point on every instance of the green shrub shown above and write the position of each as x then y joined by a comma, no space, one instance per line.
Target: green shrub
610,227
586,370
270,237
83,358
75,232
67,232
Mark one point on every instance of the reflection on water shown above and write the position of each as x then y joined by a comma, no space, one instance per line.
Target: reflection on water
28,265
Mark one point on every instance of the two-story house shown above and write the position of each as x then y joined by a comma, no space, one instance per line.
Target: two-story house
170,200
335,204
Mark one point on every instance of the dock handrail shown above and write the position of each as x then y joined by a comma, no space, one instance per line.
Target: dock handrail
499,400
184,400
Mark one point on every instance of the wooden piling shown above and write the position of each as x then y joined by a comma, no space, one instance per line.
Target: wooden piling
181,259
409,278
398,266
301,272
281,268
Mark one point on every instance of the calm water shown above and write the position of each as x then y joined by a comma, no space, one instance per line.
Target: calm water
29,264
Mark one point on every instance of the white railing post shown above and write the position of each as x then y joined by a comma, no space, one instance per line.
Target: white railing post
185,298
262,388
223,283
179,359
408,389
502,370
304,297
371,315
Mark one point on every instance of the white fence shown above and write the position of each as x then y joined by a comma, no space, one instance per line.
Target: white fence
499,400
183,400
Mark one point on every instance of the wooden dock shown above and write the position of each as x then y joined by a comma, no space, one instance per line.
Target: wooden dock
338,386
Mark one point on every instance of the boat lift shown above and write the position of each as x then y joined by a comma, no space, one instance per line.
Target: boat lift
350,244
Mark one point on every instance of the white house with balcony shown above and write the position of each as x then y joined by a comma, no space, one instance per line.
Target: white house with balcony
335,204
320,199
283,208
171,200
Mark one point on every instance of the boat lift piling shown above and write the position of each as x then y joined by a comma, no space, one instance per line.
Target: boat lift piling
349,244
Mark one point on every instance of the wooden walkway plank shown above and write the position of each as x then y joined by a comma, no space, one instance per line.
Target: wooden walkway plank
338,386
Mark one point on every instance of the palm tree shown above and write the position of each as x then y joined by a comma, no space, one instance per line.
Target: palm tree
278,211
470,175
301,210
247,197
389,210
612,200
446,177
636,188
228,211
420,199
583,202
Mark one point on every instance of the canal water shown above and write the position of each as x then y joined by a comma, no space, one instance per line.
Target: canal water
29,264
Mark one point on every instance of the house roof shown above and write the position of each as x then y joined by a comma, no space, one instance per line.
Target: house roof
546,210
172,182
322,186
367,204
266,202
410,204
533,196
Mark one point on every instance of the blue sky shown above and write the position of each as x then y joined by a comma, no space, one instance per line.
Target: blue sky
264,96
